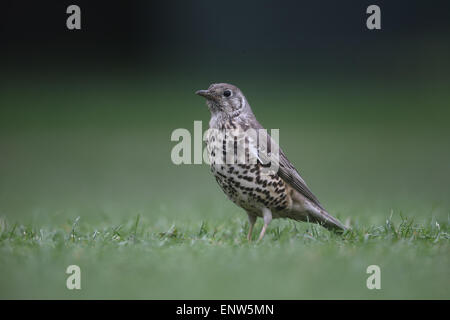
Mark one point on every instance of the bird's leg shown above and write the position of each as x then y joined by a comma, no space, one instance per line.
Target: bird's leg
251,222
267,216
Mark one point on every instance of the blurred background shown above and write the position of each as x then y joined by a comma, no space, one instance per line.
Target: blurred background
86,115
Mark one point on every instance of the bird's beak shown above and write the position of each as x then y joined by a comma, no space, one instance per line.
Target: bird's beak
204,93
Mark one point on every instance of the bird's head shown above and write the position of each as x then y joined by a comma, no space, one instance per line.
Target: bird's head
225,98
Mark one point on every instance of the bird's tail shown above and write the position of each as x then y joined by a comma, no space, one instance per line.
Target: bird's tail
328,221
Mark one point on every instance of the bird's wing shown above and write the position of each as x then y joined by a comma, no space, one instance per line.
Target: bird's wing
291,176
286,170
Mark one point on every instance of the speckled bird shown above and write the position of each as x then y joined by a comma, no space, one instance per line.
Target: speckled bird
280,193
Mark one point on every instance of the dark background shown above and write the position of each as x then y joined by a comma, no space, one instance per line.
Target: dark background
204,34
312,69
303,65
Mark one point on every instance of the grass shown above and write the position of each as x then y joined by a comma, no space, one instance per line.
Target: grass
141,259
84,181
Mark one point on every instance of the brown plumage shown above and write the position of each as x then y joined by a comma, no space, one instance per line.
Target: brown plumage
261,189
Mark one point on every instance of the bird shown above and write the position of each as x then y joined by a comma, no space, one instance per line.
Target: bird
261,192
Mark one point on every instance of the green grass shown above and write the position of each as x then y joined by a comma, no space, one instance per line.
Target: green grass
206,259
86,179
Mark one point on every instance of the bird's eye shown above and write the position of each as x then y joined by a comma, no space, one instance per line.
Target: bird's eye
227,93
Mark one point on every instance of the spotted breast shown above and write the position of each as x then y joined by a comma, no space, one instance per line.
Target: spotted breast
244,182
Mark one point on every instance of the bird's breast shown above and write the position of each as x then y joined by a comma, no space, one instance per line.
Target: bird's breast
242,180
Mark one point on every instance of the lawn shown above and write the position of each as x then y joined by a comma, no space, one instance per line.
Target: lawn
86,179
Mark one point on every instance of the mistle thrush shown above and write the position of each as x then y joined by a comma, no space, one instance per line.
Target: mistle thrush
262,191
